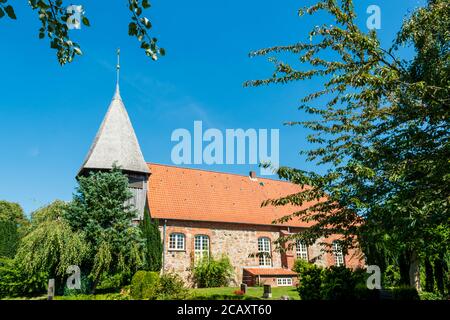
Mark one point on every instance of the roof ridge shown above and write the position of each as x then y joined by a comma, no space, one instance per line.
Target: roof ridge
212,171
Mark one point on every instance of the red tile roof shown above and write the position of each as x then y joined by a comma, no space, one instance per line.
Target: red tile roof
270,272
200,195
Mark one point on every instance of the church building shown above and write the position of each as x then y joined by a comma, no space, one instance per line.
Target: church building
205,213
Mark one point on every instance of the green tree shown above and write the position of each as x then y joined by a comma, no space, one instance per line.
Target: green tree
13,225
9,239
101,212
153,244
51,246
383,132
15,282
10,211
54,17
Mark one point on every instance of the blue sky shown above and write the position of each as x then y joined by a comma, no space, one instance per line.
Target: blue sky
49,114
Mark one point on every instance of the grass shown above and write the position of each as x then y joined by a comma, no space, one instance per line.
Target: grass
223,293
107,296
253,293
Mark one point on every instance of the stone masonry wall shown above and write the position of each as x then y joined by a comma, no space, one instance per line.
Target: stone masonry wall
238,242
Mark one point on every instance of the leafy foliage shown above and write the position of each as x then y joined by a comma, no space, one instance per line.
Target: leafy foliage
148,285
310,281
54,18
430,296
171,287
340,283
52,245
144,285
15,282
9,238
209,272
405,293
10,211
153,244
52,212
380,124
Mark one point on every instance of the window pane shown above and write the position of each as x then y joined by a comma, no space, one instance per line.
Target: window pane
338,254
176,241
302,250
201,246
264,252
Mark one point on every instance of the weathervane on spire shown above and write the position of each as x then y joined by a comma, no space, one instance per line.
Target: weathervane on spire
118,67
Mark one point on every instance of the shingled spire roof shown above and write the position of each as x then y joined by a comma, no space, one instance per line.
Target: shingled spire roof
115,142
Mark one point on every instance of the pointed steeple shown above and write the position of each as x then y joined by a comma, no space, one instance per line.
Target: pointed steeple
116,141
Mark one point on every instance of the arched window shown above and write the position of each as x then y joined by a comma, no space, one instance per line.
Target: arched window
338,254
264,252
177,241
302,250
201,246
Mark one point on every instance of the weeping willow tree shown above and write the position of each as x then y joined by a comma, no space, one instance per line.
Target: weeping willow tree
380,124
51,246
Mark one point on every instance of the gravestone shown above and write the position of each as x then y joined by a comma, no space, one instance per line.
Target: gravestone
244,288
267,291
51,289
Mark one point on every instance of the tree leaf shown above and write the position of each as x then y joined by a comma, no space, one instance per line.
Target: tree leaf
86,21
146,4
10,12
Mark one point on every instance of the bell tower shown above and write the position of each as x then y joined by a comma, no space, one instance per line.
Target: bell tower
116,143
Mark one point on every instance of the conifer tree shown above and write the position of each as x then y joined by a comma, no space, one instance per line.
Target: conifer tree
153,244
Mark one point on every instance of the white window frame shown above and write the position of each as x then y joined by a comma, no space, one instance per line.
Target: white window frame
339,260
264,252
284,282
302,250
177,241
201,246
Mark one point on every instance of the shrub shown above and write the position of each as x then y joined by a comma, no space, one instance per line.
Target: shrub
210,273
430,296
405,293
144,285
300,265
338,283
334,283
150,286
15,282
310,281
391,276
171,287
113,282
85,288
363,293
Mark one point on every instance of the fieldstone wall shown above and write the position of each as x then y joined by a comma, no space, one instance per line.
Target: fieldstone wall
238,242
